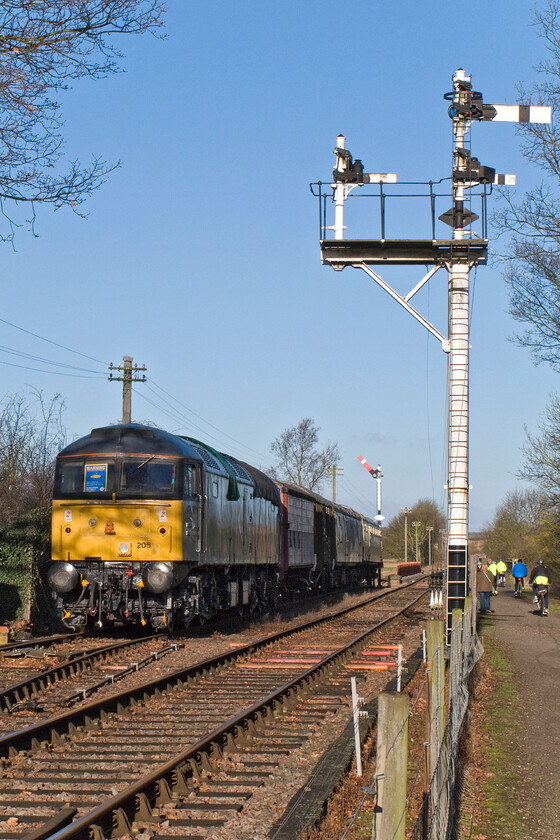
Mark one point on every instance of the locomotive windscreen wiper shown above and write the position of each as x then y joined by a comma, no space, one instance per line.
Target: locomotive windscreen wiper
143,464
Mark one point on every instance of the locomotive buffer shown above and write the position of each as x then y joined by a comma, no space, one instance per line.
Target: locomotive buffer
458,254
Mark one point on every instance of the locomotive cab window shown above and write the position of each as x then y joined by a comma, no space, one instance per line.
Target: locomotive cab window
75,478
192,482
71,478
147,477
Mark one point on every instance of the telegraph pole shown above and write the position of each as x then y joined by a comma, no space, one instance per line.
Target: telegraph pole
416,525
334,471
457,255
127,379
429,529
406,511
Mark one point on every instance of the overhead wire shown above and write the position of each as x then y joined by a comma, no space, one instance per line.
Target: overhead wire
173,413
53,372
353,491
21,354
178,416
207,423
55,343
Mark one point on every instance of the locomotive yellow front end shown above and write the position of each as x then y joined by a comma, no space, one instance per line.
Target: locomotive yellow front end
117,535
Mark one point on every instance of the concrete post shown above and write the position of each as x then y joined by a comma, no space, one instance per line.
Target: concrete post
456,661
436,669
391,765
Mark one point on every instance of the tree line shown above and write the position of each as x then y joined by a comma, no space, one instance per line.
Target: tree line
527,522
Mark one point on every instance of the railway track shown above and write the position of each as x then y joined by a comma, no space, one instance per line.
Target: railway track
107,764
79,674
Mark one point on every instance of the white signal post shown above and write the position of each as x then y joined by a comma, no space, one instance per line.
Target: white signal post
378,476
467,105
458,255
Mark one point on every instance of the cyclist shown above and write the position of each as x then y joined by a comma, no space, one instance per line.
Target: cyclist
540,576
502,569
519,572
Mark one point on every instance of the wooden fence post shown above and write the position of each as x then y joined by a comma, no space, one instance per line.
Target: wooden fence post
391,765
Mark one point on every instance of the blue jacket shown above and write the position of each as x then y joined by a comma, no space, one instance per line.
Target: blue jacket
519,570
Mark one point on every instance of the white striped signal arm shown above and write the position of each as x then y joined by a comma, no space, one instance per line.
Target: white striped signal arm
367,466
521,113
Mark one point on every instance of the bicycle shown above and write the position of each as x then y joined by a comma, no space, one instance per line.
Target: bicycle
518,587
542,592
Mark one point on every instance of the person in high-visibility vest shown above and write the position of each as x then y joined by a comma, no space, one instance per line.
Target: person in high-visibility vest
540,576
502,569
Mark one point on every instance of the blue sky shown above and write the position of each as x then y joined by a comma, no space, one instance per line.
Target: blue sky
200,256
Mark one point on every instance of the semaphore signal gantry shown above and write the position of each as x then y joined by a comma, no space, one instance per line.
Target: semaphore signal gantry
466,190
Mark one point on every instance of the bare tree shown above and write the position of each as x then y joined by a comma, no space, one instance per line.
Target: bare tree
515,526
542,453
533,254
427,513
31,434
525,525
297,458
44,46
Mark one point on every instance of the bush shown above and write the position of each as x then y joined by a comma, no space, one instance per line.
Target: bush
404,569
23,549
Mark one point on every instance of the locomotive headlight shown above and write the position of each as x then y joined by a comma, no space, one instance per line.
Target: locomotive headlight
157,577
124,549
63,577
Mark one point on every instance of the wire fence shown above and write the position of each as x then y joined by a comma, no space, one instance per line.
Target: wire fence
436,817
437,814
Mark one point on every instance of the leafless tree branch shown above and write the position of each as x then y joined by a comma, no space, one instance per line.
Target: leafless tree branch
44,46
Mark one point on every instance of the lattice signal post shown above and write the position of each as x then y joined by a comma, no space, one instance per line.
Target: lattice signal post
470,181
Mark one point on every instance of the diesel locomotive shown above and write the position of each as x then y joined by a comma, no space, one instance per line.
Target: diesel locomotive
154,528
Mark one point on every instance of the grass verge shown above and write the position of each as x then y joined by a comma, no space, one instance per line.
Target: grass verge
492,740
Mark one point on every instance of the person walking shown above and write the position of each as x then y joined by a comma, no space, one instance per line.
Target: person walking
519,572
485,582
493,569
502,569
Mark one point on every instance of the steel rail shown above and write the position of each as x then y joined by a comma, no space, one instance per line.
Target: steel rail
54,729
40,641
115,816
27,689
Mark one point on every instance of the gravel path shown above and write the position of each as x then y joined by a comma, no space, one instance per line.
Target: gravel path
534,646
